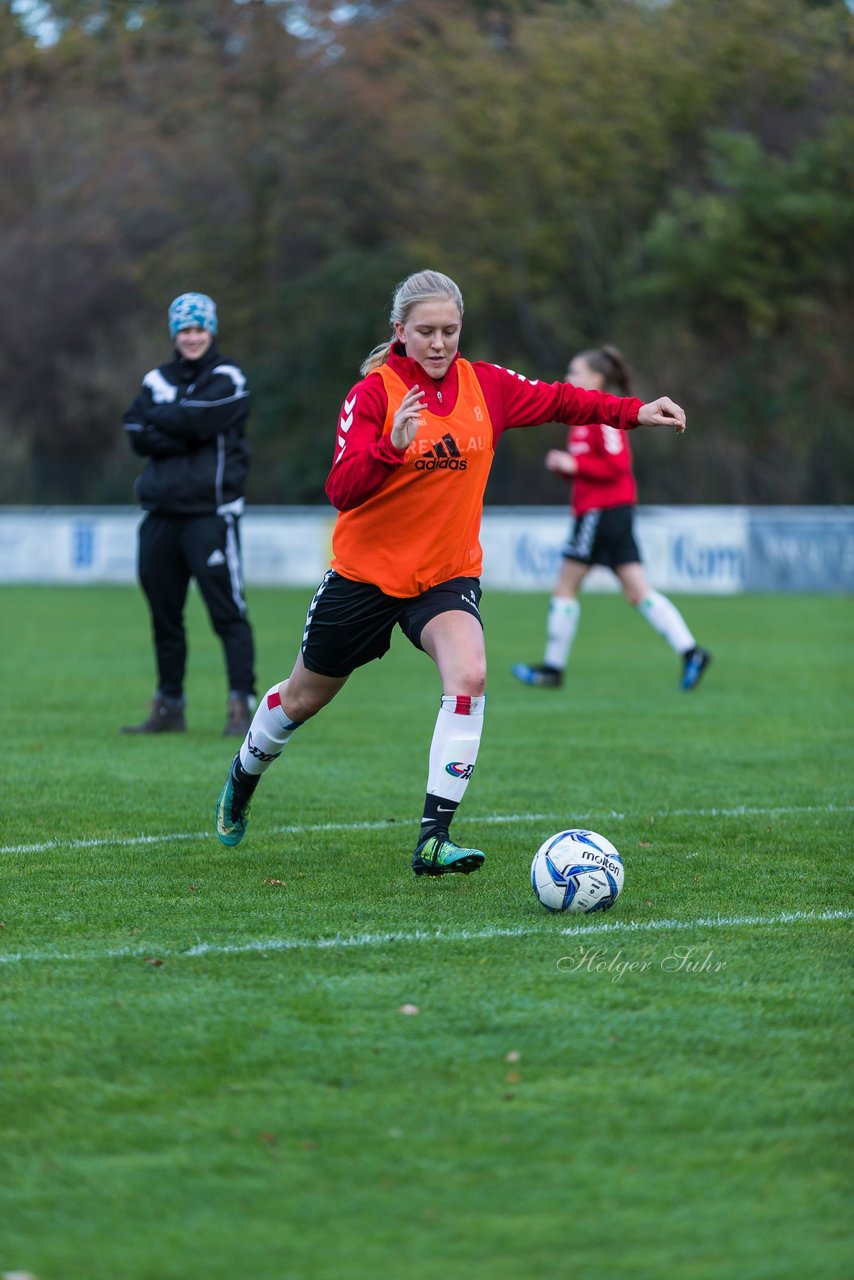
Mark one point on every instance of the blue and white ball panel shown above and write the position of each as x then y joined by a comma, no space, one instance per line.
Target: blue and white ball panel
577,871
549,883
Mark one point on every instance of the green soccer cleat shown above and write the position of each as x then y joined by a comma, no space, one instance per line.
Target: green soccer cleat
437,854
232,808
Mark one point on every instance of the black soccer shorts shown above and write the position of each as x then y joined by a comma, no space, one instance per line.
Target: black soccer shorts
350,623
603,536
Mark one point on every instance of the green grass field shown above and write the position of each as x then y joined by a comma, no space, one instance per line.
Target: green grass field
205,1073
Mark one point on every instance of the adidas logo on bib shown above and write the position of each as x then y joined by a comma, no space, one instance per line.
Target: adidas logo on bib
443,455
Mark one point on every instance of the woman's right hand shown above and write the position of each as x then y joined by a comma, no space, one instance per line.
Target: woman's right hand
405,424
562,462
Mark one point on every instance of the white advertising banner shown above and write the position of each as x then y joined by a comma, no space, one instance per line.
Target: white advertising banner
280,545
715,550
286,548
86,545
695,549
691,549
522,549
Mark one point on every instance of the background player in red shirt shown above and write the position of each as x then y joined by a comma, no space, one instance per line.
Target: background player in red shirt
412,453
598,462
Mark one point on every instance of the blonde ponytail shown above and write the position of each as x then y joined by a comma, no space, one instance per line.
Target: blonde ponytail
378,356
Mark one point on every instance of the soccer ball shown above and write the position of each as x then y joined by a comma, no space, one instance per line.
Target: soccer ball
577,871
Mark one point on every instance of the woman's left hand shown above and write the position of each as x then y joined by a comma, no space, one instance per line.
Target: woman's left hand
662,413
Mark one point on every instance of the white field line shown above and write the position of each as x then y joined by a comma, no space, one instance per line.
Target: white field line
339,941
169,837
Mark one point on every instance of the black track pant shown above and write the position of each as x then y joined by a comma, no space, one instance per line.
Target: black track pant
174,549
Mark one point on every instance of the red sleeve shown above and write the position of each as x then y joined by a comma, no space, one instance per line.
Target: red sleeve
364,457
516,401
600,456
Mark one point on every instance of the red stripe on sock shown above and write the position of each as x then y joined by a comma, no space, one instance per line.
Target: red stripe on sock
463,705
273,700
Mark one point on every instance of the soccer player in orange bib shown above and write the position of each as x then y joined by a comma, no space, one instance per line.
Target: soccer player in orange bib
413,450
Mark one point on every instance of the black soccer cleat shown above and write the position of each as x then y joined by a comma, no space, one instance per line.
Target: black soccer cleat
542,676
694,663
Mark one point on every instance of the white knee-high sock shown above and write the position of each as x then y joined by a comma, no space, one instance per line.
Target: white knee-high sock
561,626
665,618
268,734
453,752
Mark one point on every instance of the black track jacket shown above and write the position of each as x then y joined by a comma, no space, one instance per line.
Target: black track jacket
189,420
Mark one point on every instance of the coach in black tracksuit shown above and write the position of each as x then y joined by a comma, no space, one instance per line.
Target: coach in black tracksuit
189,421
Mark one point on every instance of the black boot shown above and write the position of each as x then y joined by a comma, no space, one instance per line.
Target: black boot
166,716
241,709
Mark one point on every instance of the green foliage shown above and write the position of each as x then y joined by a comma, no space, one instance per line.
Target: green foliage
294,387
205,1066
757,265
767,247
675,178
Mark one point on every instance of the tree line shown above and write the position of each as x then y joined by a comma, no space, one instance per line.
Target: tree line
675,178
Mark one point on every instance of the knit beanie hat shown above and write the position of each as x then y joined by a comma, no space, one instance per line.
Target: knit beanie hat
192,309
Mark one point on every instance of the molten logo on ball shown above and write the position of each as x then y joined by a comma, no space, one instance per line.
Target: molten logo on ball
577,871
